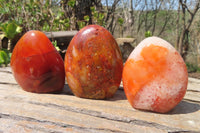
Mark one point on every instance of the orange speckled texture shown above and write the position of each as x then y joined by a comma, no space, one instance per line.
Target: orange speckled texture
143,71
93,63
148,82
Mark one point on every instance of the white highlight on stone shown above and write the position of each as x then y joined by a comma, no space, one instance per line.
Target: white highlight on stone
148,41
74,52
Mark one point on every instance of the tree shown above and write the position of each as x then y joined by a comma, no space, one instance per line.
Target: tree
80,11
110,15
183,35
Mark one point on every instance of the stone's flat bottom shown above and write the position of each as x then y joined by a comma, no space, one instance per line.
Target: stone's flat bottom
22,111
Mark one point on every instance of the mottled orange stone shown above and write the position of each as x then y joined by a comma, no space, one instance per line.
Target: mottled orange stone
148,77
139,73
93,63
36,65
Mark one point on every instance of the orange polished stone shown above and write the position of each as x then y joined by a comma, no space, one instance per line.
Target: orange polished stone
155,76
36,65
93,63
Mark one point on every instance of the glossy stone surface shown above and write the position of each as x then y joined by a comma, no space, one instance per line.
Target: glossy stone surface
36,65
93,63
155,76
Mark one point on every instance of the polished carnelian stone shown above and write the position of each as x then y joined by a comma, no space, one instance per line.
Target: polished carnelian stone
155,76
93,63
36,65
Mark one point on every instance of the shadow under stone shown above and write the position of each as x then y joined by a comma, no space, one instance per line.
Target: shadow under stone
66,90
185,107
119,95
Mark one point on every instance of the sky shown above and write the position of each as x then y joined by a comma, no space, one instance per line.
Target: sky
138,4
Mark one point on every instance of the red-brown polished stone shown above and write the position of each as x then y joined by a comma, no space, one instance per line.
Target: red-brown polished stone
36,65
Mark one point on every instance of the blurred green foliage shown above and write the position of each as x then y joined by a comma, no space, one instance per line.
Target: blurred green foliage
148,34
45,15
71,3
10,29
34,15
120,21
55,45
192,67
5,57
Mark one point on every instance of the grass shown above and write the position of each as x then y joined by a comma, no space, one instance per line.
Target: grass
192,67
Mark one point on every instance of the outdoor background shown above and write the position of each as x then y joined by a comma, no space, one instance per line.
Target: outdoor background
177,21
